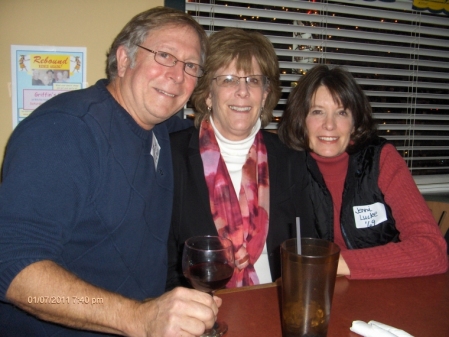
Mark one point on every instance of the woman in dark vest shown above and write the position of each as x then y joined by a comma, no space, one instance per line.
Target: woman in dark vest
362,194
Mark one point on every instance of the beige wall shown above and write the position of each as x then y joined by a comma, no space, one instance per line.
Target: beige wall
82,23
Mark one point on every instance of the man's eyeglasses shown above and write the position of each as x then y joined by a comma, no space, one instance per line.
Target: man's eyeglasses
253,81
169,60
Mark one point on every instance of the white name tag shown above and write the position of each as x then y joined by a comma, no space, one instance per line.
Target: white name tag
155,150
369,215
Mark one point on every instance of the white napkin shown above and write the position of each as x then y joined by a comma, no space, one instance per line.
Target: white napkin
377,329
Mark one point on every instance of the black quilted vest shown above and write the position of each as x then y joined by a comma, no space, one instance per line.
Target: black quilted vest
360,189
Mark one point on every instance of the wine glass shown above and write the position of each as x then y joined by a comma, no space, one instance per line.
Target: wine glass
208,263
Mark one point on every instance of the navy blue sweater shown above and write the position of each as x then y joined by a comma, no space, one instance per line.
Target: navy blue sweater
80,188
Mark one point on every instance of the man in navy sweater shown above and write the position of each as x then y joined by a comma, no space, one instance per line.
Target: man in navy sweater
86,196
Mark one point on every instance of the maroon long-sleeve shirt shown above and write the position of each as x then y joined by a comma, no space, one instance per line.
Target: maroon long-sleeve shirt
422,249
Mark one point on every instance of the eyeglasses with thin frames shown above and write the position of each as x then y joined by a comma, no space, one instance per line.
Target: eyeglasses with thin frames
230,81
168,60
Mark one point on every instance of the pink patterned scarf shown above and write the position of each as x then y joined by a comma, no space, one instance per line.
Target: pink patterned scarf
243,220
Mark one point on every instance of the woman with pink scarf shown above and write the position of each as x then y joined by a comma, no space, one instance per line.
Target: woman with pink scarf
232,178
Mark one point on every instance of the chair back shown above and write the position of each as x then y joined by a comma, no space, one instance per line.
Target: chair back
440,211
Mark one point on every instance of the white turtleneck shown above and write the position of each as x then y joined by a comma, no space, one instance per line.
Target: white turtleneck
234,154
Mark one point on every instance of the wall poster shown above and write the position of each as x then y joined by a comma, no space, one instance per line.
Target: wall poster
42,72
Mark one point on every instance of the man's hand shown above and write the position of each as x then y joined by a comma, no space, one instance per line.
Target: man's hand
180,312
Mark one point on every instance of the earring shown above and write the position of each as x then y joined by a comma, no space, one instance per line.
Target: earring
261,112
209,108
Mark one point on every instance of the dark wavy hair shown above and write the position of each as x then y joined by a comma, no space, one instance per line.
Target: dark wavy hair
344,90
138,28
241,45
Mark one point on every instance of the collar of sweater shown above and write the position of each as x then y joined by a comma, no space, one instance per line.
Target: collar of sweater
334,168
235,152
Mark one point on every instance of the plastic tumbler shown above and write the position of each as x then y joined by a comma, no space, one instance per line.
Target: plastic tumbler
308,282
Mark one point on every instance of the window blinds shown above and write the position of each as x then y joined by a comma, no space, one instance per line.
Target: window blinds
398,55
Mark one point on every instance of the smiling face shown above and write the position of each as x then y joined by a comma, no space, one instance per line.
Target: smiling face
235,110
149,91
329,125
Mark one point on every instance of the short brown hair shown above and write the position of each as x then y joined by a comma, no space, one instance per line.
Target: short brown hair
137,29
234,43
344,90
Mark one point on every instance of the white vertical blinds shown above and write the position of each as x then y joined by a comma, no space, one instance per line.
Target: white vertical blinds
398,55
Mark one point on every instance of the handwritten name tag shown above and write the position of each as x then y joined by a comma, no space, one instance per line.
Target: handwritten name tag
369,215
155,150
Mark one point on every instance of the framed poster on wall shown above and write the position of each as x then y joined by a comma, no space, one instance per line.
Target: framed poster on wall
42,72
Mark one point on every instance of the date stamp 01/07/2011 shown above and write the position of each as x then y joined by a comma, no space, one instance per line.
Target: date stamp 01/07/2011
64,300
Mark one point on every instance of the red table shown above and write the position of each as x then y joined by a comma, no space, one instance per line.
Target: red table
418,305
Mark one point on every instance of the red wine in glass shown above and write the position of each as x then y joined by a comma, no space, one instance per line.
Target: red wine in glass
209,276
208,263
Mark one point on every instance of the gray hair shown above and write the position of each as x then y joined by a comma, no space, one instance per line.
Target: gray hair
137,29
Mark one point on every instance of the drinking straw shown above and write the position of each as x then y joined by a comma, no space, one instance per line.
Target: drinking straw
298,236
